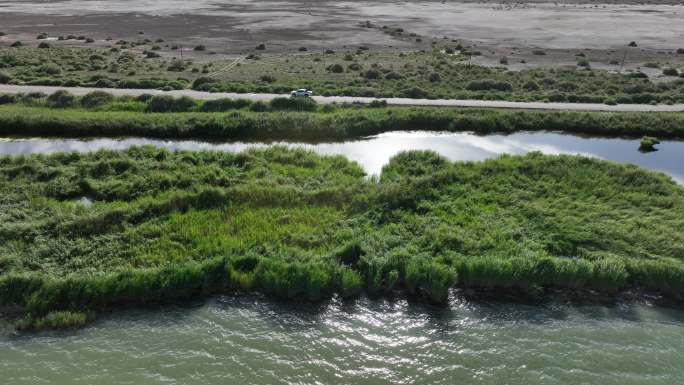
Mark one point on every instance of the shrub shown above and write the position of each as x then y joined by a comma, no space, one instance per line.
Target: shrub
166,103
4,78
377,104
260,47
670,72
176,66
50,69
303,49
151,55
8,99
538,52
503,60
293,104
371,74
90,40
434,77
200,47
202,81
414,93
16,44
268,78
393,76
489,85
258,106
42,36
531,86
144,98
583,63
61,99
105,83
44,45
224,104
632,44
335,68
96,99
354,67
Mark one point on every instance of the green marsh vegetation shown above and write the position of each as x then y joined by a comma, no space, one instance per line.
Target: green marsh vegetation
92,67
648,143
100,114
420,74
437,74
166,225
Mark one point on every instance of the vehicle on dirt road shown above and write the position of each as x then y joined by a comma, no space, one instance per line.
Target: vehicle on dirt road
302,92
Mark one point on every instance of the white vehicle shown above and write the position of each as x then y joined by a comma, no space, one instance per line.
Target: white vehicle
301,92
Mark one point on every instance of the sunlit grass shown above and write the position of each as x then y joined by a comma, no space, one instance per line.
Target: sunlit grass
289,223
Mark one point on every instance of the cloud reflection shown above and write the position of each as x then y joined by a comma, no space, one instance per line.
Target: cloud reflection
373,153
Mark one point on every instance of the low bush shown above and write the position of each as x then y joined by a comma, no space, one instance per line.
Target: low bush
670,72
61,99
96,99
488,85
221,105
165,103
293,104
335,68
4,78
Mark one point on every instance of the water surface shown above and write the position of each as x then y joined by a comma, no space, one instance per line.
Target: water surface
375,151
250,340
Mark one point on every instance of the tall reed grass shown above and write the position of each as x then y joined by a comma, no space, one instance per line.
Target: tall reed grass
166,226
336,125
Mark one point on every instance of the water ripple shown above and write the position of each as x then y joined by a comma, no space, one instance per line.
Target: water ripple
251,340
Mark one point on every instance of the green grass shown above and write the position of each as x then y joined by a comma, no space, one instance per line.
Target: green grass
122,118
292,224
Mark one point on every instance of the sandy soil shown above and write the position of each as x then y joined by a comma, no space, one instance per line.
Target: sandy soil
496,29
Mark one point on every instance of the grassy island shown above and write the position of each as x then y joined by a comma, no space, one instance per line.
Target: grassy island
84,232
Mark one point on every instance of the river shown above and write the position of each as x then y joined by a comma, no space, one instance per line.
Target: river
375,151
251,340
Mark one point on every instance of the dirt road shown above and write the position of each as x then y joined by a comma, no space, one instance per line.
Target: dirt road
79,91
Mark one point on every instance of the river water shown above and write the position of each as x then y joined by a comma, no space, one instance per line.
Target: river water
375,151
251,340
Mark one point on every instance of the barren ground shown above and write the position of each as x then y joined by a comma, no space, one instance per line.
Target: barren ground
496,29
